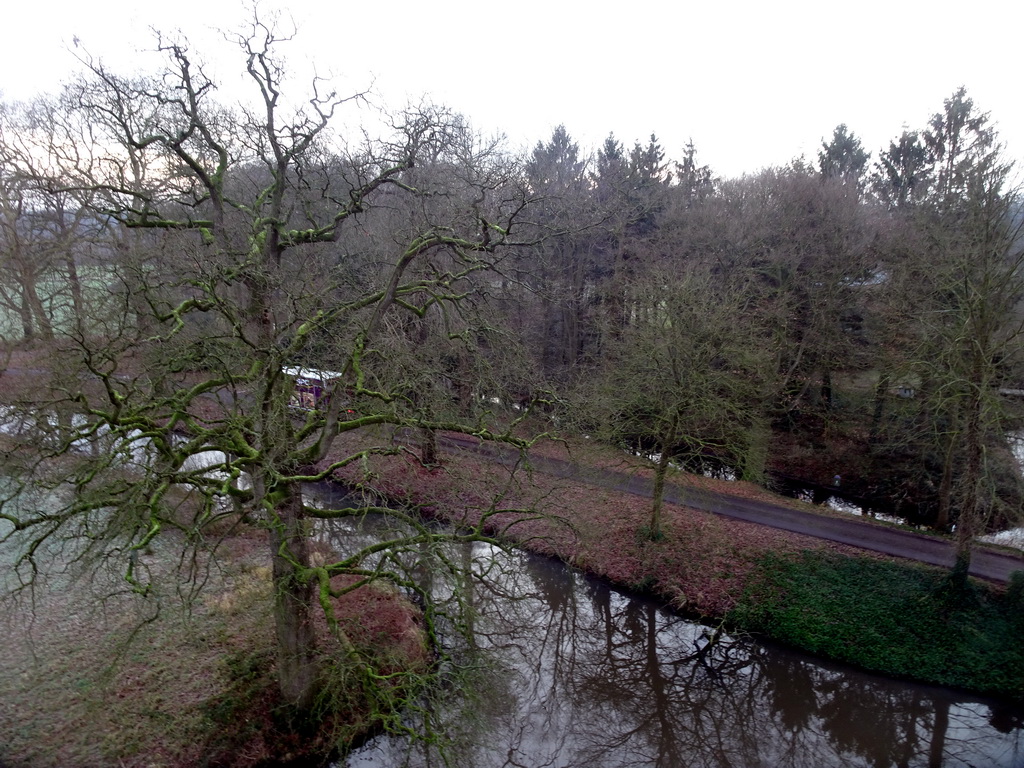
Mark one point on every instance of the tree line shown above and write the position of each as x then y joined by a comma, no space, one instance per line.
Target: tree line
170,257
867,310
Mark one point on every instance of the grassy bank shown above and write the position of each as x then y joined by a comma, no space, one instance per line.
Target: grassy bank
889,617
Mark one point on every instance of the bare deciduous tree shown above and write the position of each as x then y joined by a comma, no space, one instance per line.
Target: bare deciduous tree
250,243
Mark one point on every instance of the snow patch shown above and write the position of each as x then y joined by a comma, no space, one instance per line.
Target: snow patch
1011,538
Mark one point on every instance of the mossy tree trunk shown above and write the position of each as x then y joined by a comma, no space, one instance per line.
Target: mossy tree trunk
294,600
668,446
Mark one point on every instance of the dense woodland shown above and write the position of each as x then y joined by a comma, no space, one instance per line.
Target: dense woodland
169,257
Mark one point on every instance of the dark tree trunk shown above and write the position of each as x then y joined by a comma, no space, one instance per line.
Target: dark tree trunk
77,301
668,443
946,489
659,494
826,389
428,447
34,304
293,603
881,399
969,520
25,311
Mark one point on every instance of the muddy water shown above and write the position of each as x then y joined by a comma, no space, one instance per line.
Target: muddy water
576,673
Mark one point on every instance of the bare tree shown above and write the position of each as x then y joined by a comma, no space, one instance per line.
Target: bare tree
684,379
250,243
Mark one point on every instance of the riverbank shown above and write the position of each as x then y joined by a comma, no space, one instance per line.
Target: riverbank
876,612
99,678
92,676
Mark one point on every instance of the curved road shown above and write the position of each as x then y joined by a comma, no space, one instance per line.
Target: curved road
986,563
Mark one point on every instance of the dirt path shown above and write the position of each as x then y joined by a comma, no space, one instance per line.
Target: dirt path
987,563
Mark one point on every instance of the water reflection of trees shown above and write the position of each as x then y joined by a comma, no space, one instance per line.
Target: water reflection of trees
588,676
623,683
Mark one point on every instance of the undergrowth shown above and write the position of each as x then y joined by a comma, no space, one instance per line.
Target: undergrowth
894,618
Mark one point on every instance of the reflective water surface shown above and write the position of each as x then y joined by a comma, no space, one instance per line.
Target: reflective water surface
581,674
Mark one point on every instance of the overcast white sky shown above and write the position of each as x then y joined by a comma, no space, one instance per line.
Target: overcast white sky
752,83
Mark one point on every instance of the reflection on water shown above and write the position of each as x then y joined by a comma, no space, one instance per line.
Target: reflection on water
579,674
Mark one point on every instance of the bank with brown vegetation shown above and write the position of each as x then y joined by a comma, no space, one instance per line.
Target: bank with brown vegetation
880,613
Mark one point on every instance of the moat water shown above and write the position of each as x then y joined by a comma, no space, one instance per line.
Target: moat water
573,672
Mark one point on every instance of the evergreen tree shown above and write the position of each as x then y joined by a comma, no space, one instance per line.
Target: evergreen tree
695,182
843,157
903,171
